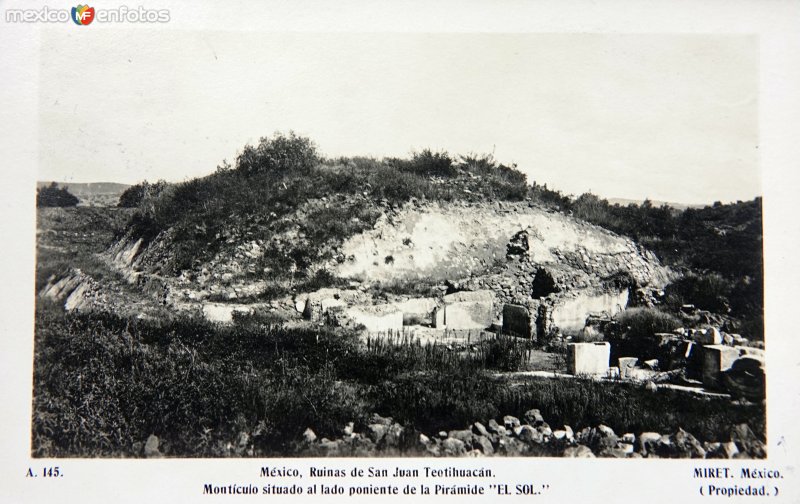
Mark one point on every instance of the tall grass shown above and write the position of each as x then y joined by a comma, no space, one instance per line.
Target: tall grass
103,384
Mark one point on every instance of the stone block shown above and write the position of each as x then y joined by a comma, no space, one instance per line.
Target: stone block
418,311
626,364
588,358
469,309
380,318
517,321
716,360
438,318
570,313
223,313
710,336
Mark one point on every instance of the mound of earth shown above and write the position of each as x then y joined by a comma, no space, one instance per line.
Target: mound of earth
558,269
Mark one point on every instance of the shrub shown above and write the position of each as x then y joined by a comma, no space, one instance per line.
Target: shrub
619,280
135,195
708,291
103,383
642,322
429,163
280,154
54,196
634,329
479,164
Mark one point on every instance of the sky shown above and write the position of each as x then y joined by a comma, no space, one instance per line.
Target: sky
665,117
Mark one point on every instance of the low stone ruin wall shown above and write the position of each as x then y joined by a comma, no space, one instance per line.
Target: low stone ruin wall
569,314
376,319
468,310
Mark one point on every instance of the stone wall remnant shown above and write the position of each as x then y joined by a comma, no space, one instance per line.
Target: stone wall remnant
377,318
469,309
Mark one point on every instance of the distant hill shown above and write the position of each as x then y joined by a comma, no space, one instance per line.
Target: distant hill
92,193
656,203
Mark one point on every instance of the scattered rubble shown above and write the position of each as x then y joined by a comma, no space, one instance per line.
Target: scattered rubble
529,436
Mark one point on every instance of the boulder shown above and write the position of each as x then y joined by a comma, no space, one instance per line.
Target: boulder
648,442
748,363
509,422
614,453
533,417
529,434
328,448
747,442
625,447
151,447
309,436
376,431
626,364
710,336
686,445
451,447
464,435
578,451
651,364
600,438
483,444
511,447
392,437
479,429
377,419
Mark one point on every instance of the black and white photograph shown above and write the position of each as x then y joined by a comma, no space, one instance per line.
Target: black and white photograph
401,249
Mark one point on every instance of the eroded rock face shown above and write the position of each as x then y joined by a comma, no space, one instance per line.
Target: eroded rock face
461,239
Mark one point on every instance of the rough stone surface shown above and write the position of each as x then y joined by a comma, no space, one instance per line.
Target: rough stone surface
517,321
626,364
716,360
469,309
588,358
309,436
151,447
376,319
578,451
533,417
453,447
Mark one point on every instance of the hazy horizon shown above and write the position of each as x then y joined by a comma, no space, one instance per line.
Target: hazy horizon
665,117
